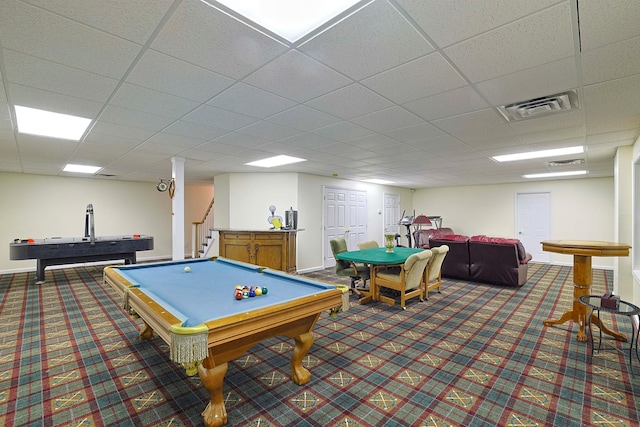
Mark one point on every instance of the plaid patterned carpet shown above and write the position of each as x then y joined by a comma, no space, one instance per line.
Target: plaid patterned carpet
475,355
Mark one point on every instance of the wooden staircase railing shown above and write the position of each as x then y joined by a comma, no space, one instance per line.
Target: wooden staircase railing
202,232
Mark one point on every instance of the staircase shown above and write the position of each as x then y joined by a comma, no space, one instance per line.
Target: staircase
203,234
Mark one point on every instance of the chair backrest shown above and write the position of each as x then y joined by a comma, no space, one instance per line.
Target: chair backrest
436,260
369,244
414,268
337,246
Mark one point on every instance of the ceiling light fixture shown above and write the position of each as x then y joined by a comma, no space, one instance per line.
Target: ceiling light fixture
539,154
275,161
554,174
290,19
81,168
377,181
46,123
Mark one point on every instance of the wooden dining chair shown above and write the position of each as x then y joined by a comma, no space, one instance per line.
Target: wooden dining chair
368,244
408,279
434,270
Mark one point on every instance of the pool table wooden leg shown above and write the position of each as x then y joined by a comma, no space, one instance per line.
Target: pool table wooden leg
147,332
212,376
299,373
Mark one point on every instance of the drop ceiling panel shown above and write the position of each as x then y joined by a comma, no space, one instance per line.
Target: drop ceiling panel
251,101
131,20
624,135
608,21
516,46
603,124
350,101
164,73
306,141
31,71
415,133
218,118
378,39
451,21
178,142
51,101
382,93
417,79
194,130
303,118
201,35
243,141
342,131
454,102
297,77
102,131
136,119
58,40
268,130
150,101
569,119
385,120
464,123
547,79
613,61
616,98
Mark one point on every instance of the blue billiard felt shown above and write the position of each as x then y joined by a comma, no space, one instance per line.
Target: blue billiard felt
207,292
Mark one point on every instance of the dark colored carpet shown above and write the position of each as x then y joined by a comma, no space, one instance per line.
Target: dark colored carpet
475,355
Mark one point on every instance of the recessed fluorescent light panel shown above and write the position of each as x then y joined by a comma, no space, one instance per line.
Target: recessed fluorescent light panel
555,174
378,181
46,123
539,154
290,19
81,168
275,161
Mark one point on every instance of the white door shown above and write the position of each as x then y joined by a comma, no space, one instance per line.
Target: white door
391,214
533,222
345,215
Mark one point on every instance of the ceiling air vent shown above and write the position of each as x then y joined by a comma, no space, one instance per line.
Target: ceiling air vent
538,107
565,162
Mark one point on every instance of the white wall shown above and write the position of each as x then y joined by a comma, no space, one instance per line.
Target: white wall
582,209
39,206
310,214
44,206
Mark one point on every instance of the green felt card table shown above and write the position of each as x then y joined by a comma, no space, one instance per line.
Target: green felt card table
196,313
377,256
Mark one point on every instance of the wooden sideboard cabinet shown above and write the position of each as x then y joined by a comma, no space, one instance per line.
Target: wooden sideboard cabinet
273,249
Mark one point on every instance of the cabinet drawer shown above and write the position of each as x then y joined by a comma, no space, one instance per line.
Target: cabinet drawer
237,236
269,236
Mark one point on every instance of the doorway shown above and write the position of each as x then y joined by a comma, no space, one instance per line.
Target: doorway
391,215
533,223
345,215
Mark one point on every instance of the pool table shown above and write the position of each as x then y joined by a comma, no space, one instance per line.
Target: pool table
197,314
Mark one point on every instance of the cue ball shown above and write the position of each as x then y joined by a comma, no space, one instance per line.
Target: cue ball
187,269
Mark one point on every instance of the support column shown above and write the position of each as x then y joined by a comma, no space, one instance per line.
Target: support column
177,208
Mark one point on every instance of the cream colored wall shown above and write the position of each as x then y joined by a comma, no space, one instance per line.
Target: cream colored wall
40,206
623,213
581,209
243,200
45,206
251,194
635,222
310,214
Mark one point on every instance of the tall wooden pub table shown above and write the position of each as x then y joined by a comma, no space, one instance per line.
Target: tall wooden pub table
582,251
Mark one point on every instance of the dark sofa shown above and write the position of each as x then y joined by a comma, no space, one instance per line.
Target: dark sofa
421,237
484,259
